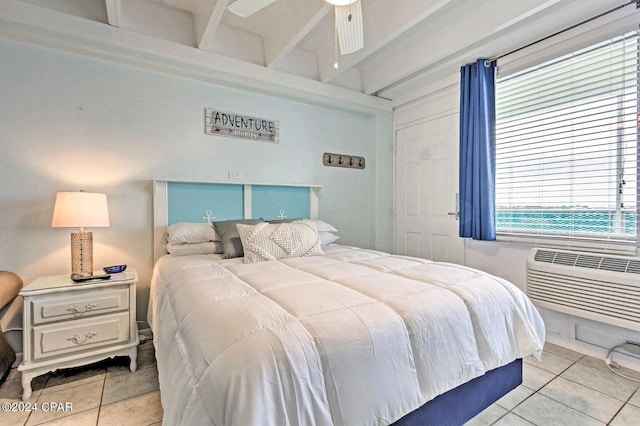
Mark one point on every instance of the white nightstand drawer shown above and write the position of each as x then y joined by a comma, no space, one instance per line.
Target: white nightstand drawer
68,324
63,306
79,335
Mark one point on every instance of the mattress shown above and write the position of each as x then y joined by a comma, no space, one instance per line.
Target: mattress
353,336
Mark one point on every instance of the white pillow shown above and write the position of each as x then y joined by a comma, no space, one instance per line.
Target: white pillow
211,247
327,238
267,241
191,233
320,225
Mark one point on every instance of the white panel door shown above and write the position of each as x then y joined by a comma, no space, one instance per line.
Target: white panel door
426,186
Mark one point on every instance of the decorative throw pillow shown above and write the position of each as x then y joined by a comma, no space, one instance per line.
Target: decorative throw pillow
231,243
210,247
266,241
191,233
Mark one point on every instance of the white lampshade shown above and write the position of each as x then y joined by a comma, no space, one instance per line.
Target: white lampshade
80,209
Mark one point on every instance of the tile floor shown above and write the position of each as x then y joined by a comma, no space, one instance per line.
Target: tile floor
566,388
105,393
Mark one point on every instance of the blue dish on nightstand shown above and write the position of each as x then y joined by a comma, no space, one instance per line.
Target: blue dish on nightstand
114,269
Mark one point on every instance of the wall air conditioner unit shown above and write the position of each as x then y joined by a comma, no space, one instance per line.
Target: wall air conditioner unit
602,288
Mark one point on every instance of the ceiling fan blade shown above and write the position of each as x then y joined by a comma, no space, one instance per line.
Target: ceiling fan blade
349,27
246,8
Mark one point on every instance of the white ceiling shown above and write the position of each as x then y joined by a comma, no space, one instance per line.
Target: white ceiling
408,44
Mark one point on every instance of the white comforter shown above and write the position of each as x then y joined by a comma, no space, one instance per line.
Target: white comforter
354,337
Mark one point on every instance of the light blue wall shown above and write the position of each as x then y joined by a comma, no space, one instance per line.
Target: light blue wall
68,122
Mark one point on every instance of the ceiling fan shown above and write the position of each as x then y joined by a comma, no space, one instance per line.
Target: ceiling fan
349,29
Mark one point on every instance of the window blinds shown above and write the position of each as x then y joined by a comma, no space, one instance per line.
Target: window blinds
566,146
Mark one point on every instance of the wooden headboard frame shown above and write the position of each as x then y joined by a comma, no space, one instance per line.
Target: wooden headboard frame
161,204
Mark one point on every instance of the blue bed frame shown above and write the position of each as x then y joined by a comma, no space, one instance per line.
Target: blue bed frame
176,201
461,404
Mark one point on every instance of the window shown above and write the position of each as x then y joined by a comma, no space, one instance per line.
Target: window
567,147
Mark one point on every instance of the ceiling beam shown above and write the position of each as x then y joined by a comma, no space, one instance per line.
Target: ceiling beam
44,27
113,12
433,44
381,27
206,40
280,42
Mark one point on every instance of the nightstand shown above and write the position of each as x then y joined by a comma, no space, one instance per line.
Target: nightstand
68,324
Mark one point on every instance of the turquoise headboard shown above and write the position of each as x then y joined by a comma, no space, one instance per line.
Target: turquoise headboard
181,201
266,201
190,202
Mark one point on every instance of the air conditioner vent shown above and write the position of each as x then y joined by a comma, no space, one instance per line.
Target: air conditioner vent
614,264
568,259
591,261
545,256
588,261
604,288
634,267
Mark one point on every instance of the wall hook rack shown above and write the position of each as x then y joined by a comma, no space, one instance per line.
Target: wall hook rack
343,160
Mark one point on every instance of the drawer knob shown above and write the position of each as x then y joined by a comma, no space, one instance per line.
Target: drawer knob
75,309
78,340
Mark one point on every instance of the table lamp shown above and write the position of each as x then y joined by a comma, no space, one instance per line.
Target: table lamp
80,209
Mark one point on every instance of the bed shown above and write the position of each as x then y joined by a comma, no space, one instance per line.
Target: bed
349,336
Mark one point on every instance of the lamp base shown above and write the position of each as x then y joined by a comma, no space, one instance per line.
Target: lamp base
82,253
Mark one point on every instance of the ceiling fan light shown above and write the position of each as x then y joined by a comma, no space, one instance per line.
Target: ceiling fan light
341,2
349,28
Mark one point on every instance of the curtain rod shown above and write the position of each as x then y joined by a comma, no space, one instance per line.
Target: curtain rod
487,62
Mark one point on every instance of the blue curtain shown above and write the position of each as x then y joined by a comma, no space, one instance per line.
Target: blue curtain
477,151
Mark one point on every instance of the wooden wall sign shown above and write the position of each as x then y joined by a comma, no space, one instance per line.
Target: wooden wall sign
240,126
